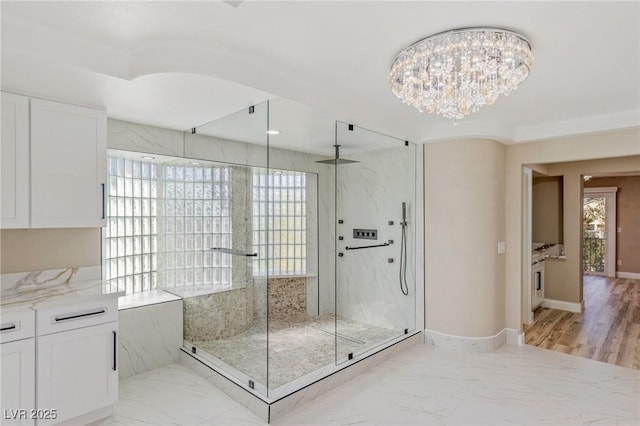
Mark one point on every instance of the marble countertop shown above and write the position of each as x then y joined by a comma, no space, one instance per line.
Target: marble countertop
35,290
554,257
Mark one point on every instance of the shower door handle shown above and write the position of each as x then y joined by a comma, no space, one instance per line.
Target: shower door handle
234,252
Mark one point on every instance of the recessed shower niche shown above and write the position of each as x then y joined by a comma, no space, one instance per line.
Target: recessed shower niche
255,234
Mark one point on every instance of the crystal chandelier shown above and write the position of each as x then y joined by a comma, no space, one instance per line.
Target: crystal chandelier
456,72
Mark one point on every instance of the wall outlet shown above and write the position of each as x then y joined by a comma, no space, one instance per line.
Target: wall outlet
502,247
619,262
619,230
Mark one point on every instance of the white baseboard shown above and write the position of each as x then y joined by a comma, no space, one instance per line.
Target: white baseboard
89,418
564,306
454,343
628,275
514,337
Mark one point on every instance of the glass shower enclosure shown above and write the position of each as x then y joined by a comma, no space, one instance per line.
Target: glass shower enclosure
293,257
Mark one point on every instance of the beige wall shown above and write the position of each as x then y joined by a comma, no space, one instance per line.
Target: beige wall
563,280
546,209
24,250
627,218
604,145
464,221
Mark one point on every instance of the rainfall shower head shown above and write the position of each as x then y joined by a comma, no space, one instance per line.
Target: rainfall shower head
337,160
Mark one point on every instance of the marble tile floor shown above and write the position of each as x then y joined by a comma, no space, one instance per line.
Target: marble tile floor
298,345
420,386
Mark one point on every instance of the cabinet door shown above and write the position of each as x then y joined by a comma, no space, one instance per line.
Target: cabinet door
14,170
18,382
77,371
68,165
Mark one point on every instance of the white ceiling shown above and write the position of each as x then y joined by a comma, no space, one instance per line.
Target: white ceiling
182,64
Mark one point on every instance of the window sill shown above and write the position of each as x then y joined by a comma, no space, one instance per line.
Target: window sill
262,277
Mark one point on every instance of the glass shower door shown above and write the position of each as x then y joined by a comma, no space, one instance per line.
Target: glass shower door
301,326
375,239
225,309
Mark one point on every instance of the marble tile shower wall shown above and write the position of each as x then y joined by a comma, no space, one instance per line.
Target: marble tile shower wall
368,288
286,296
219,315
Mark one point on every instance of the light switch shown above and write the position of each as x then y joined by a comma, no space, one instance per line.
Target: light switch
619,230
502,247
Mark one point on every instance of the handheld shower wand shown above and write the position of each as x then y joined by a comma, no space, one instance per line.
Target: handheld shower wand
404,213
403,252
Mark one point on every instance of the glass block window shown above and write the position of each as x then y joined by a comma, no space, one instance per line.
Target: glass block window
196,216
279,222
130,237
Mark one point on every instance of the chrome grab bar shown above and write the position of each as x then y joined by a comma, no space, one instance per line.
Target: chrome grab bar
234,252
366,247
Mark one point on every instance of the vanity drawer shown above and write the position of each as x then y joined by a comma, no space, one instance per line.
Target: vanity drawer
70,317
17,325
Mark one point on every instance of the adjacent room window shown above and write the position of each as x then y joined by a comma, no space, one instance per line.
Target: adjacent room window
130,237
279,223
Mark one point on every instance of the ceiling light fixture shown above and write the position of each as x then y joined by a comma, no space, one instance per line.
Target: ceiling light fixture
148,157
454,73
273,132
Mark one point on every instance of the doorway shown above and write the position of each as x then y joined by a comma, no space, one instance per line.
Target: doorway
599,231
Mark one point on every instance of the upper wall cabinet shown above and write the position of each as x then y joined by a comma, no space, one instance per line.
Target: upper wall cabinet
66,166
14,170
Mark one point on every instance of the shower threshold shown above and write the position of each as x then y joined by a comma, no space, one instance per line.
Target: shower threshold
298,370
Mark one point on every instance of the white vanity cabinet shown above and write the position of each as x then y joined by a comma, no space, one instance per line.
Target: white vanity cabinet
77,361
17,363
53,164
14,170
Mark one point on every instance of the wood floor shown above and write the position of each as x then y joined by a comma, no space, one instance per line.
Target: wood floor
608,330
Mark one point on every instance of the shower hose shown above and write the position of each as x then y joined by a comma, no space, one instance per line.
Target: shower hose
403,260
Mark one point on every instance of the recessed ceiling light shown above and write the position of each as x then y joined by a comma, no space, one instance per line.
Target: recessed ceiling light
273,132
148,157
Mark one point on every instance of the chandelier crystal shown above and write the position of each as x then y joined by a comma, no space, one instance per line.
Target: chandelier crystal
456,72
